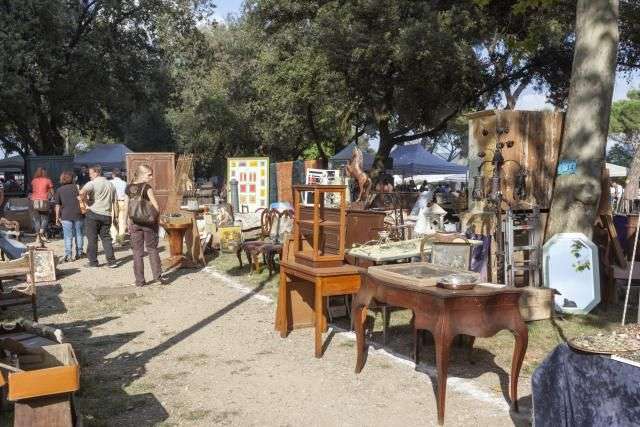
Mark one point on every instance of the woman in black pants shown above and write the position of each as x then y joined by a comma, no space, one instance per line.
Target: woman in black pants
143,235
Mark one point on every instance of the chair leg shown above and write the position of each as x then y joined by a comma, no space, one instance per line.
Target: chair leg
385,324
34,307
239,255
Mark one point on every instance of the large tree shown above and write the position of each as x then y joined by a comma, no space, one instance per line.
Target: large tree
575,199
87,66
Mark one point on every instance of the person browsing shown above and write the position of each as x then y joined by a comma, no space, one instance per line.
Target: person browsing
100,215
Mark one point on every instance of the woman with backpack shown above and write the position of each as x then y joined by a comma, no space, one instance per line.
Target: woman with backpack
70,215
142,217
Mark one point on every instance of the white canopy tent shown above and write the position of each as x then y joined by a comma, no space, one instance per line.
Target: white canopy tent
616,171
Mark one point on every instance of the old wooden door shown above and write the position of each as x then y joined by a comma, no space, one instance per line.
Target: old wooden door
163,165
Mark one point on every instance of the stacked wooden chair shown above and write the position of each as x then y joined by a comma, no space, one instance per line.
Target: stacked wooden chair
21,294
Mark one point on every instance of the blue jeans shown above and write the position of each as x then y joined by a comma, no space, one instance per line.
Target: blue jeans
71,229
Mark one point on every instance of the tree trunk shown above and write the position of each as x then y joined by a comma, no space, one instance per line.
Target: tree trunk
384,149
575,198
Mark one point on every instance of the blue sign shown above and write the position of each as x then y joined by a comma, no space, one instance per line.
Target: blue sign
567,167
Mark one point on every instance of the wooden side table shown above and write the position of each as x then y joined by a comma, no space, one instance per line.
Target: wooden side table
480,312
324,282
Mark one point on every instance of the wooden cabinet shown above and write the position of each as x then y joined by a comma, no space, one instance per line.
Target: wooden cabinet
164,166
319,232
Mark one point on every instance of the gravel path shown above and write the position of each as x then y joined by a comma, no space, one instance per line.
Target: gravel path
203,351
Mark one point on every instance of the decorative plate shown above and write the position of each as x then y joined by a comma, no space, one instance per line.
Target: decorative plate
606,343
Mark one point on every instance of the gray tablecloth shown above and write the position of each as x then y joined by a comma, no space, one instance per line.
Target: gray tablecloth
576,389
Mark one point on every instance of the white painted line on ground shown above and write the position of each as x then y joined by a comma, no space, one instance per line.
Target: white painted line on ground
460,385
235,284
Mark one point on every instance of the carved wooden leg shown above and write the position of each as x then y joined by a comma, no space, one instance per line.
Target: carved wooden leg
443,346
521,334
359,319
319,315
239,255
416,345
34,307
282,321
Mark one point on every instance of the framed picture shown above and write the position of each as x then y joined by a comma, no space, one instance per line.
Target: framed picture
252,174
230,238
44,265
454,255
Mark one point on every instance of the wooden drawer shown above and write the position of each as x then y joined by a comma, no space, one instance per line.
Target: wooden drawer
51,369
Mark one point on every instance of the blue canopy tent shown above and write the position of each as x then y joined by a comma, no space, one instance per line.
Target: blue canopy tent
343,157
409,160
108,156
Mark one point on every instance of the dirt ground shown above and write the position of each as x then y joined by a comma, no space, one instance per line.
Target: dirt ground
203,351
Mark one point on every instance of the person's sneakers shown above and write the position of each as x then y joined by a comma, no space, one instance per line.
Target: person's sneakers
66,258
92,265
163,280
80,256
113,264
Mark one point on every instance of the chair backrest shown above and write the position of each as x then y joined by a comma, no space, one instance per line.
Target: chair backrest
268,219
452,254
284,225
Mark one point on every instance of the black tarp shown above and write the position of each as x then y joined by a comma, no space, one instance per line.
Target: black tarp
108,156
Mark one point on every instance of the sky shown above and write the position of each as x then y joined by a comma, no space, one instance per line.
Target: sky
225,7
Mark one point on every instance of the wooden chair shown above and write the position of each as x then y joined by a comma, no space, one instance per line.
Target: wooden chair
22,294
269,242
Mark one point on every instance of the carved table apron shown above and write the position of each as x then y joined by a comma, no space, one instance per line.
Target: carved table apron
480,312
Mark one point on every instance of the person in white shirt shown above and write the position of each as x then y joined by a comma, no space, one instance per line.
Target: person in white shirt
118,232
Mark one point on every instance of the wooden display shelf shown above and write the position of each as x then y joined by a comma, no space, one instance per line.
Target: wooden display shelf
319,231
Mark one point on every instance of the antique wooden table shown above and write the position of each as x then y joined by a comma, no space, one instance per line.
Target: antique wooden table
480,312
323,282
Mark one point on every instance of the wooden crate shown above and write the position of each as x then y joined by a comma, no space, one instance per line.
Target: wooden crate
536,303
56,371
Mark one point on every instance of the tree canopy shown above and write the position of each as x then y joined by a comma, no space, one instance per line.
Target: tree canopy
93,66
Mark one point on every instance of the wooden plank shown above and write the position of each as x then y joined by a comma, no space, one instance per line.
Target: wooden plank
615,243
51,411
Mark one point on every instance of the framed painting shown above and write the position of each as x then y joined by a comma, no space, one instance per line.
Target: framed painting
44,266
230,238
454,255
252,174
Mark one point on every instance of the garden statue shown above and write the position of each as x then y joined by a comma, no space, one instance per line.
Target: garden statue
355,169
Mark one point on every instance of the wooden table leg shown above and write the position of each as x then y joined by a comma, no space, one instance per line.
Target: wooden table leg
319,316
521,334
282,319
443,346
359,318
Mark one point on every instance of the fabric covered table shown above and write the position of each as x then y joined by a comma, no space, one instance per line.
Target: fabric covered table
579,389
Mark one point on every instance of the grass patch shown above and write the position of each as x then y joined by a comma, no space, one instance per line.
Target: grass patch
196,415
228,264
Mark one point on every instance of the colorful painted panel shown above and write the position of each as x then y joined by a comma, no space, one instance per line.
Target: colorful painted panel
252,174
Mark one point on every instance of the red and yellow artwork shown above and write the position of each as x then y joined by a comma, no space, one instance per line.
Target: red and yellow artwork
252,174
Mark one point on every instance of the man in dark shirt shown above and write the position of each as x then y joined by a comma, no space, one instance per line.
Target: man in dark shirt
83,176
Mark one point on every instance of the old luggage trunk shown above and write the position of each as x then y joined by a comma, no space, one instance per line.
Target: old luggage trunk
163,165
